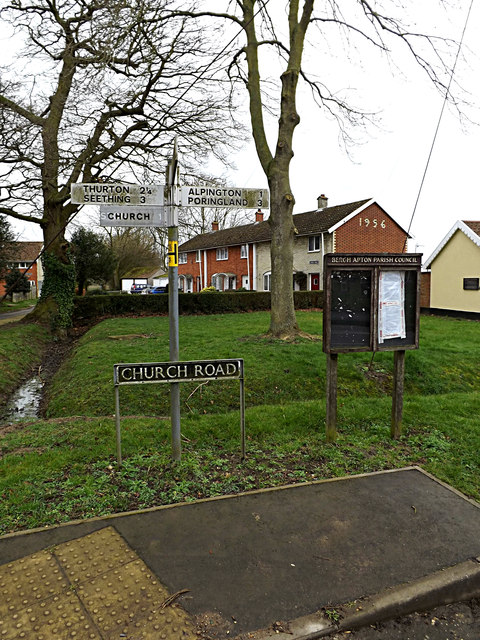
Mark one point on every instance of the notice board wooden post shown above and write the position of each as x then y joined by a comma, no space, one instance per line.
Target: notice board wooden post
331,418
397,395
371,303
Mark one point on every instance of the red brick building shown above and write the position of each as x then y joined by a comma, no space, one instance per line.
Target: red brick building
240,256
27,253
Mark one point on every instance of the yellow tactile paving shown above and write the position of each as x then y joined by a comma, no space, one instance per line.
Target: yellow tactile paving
61,617
84,558
29,580
92,588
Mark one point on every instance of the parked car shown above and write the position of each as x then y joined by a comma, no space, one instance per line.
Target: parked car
160,289
146,290
138,288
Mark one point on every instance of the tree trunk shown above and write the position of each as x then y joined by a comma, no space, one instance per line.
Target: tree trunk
283,322
55,305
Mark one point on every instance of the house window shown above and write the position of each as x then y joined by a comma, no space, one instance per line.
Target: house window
198,255
471,284
244,251
314,243
217,282
267,281
182,258
222,253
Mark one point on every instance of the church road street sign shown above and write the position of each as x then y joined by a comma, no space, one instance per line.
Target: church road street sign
188,371
117,194
225,197
174,372
132,216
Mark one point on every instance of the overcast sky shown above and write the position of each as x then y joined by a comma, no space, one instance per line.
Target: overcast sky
388,166
389,162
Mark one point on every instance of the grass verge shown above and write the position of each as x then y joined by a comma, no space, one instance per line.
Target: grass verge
65,468
21,350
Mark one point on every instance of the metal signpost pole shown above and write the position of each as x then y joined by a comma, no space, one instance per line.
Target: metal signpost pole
172,170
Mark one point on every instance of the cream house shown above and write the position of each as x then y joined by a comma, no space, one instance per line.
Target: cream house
455,269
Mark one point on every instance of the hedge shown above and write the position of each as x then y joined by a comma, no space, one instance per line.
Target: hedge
90,307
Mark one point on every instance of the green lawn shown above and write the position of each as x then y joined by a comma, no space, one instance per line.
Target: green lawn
65,467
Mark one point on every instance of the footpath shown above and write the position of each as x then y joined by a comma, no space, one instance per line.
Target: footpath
299,562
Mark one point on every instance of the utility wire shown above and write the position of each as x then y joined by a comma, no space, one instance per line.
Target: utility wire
447,92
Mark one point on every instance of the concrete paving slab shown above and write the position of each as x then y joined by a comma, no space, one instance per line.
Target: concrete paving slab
280,554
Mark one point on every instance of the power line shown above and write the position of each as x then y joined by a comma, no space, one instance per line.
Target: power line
447,92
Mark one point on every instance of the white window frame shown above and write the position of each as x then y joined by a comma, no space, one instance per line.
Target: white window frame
244,251
222,253
198,255
314,241
267,280
182,258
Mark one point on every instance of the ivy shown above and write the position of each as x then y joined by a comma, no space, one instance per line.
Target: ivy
59,285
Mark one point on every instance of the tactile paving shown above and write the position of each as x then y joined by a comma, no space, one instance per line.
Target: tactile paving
131,598
91,588
61,617
30,580
84,558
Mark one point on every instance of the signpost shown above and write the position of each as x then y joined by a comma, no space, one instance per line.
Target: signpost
132,216
130,205
116,193
172,174
174,373
225,197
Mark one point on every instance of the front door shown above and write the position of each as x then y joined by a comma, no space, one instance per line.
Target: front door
314,281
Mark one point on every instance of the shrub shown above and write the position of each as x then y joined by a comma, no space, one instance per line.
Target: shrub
17,282
88,308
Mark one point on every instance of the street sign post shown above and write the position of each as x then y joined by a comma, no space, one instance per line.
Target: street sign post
133,205
225,197
174,373
132,216
116,193
172,179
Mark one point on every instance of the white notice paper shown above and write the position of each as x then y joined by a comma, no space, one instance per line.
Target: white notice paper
391,305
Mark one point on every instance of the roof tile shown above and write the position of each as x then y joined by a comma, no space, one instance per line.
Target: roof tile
308,223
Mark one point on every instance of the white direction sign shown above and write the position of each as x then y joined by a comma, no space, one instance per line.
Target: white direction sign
117,194
132,216
225,197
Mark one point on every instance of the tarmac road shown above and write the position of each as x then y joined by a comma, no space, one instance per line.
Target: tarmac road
13,316
398,540
459,621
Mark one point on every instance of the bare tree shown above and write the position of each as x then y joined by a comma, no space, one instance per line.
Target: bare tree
261,22
132,248
97,94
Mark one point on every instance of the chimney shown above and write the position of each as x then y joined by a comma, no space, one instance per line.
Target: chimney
214,225
259,216
322,201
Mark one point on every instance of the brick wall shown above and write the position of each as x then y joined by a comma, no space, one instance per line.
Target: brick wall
234,264
32,275
371,231
425,289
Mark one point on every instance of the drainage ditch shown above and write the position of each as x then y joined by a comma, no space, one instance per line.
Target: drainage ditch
24,403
